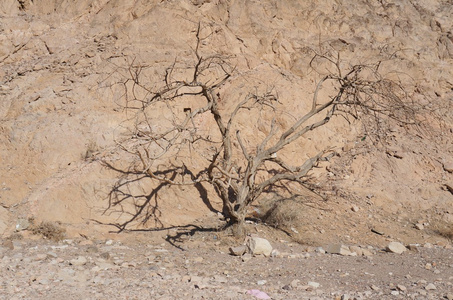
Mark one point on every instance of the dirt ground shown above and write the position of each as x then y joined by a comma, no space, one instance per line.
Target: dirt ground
195,263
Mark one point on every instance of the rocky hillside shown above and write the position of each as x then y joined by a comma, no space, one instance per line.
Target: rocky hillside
64,66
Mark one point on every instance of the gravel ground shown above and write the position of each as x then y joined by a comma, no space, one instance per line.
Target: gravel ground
71,269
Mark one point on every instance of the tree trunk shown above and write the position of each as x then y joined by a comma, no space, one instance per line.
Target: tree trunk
238,227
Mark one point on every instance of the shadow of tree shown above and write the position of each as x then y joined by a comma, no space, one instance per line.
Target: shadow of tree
182,231
143,207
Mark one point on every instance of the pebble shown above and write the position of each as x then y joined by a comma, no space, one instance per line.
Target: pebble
430,287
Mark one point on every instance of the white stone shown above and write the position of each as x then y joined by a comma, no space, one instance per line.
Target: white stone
430,287
259,246
396,247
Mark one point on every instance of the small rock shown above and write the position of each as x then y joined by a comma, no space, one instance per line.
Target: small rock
198,259
86,243
356,249
338,249
246,257
419,226
261,282
258,294
396,247
8,244
238,251
22,224
79,261
40,256
366,252
430,287
43,281
448,166
313,284
395,293
287,287
401,287
275,253
259,246
220,279
294,284
428,245
413,248
355,208
320,250
449,296
442,243
449,187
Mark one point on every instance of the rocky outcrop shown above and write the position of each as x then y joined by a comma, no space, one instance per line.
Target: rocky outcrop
63,66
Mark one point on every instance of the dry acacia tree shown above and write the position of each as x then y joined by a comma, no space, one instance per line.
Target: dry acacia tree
232,165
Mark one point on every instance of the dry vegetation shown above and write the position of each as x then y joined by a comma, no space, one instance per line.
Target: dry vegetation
48,230
239,170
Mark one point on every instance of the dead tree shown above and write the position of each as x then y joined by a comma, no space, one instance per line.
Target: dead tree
232,167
